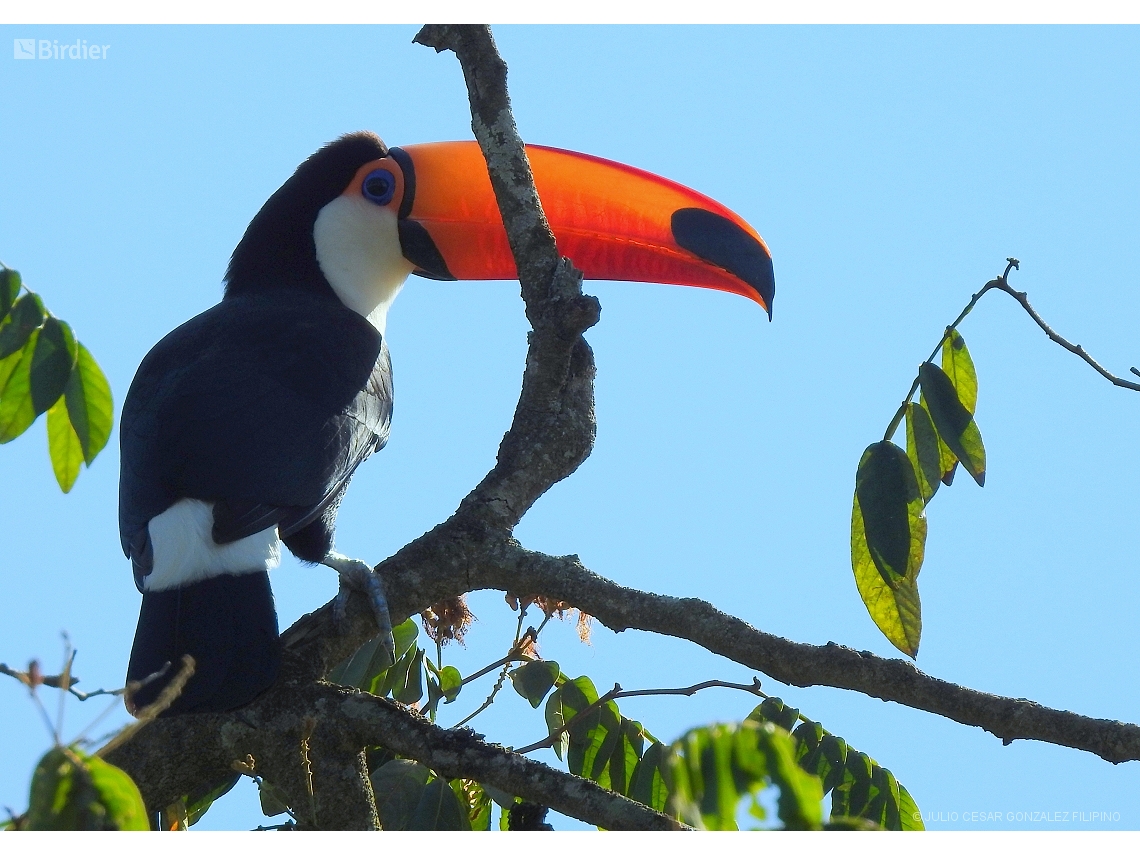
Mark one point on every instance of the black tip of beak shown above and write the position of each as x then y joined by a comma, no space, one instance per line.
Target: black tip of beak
722,242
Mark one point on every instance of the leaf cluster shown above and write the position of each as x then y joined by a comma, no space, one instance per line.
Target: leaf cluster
44,369
893,488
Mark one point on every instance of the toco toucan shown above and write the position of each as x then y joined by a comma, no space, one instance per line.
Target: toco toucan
243,426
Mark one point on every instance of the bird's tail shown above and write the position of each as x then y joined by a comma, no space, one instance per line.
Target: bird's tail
227,623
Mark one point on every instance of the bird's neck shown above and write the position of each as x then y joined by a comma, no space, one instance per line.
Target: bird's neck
358,251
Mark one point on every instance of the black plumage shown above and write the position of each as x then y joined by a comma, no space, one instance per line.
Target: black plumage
264,405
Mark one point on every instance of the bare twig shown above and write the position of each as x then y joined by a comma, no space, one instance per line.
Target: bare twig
1002,284
149,713
618,692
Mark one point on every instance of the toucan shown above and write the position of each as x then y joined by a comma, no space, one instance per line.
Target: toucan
243,426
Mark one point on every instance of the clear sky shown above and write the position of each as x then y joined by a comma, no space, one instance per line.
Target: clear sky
891,170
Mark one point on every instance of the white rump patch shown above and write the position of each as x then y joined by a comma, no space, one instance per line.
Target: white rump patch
358,250
185,552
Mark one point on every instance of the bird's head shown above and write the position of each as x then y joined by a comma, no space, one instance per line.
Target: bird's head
357,217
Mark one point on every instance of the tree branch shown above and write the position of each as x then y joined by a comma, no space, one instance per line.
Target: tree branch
504,565
551,434
272,728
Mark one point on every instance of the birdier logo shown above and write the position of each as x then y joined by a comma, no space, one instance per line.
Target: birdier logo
52,49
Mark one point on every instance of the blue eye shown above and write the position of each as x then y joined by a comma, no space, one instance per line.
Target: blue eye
378,186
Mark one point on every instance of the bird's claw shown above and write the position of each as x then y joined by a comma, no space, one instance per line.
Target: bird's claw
356,575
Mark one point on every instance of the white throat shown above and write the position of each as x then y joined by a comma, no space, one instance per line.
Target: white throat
358,250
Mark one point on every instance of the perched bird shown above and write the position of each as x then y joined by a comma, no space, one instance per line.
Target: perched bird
243,426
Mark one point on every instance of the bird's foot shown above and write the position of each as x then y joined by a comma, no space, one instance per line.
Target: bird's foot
356,575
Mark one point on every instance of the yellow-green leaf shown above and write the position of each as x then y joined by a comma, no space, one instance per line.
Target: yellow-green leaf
16,410
895,609
891,509
74,792
954,423
63,445
89,404
959,367
910,817
922,449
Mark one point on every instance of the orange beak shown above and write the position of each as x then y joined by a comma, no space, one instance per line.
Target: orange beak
612,221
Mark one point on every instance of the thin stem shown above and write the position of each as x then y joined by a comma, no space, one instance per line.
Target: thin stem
618,692
47,718
65,675
490,698
505,662
1069,346
149,713
1002,284
993,283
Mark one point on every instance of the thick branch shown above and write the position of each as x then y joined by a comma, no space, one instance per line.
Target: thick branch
505,566
553,428
333,721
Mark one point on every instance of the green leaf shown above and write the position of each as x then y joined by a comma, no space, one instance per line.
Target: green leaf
922,449
625,755
272,800
412,688
605,738
886,491
888,539
834,751
16,410
197,805
572,697
693,778
439,810
798,805
72,791
399,786
63,446
954,423
808,736
10,285
959,367
774,710
855,792
450,682
647,784
52,361
534,679
709,769
478,802
396,677
370,662
27,315
861,789
434,693
89,404
7,366
910,817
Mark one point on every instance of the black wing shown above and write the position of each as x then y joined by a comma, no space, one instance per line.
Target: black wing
263,405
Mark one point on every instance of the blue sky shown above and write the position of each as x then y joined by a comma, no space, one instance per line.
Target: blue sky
891,170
